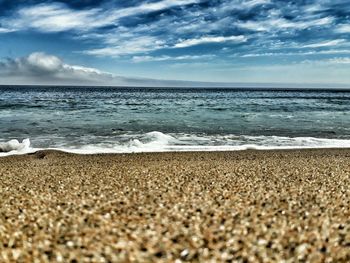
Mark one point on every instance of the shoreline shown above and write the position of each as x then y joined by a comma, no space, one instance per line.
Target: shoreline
73,152
253,205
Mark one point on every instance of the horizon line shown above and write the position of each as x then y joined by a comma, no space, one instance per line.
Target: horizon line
252,88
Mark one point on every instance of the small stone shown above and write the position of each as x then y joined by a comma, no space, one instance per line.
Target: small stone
262,242
302,249
184,253
70,244
59,258
16,253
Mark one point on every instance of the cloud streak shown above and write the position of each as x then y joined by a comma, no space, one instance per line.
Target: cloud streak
344,28
53,17
57,17
283,24
299,53
126,46
209,40
329,43
138,59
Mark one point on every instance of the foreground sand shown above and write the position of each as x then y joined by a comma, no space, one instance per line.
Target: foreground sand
246,206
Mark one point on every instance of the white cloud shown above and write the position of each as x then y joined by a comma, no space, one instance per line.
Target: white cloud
138,59
150,7
39,67
312,8
229,6
343,28
270,54
117,46
208,39
266,54
184,28
281,23
252,3
57,17
44,69
123,41
42,61
5,30
325,43
54,17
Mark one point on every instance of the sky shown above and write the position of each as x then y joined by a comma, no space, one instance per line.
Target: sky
175,42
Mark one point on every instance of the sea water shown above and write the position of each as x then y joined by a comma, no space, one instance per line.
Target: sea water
110,119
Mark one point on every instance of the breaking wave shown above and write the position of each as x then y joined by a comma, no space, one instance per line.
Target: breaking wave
161,142
15,147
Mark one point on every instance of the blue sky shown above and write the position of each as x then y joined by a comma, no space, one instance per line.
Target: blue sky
148,42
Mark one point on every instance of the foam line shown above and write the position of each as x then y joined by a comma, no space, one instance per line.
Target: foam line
160,142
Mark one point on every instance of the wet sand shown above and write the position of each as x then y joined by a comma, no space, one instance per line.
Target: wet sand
250,206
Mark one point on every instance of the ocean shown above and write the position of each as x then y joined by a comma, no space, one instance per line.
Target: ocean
122,120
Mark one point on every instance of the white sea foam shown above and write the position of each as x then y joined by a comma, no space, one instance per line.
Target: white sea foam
15,147
160,142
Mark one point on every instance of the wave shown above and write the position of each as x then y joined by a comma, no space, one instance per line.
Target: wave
15,147
174,142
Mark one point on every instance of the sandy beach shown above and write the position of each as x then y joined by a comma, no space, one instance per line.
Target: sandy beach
249,206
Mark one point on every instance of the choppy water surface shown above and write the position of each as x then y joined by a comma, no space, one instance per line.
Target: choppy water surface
127,119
